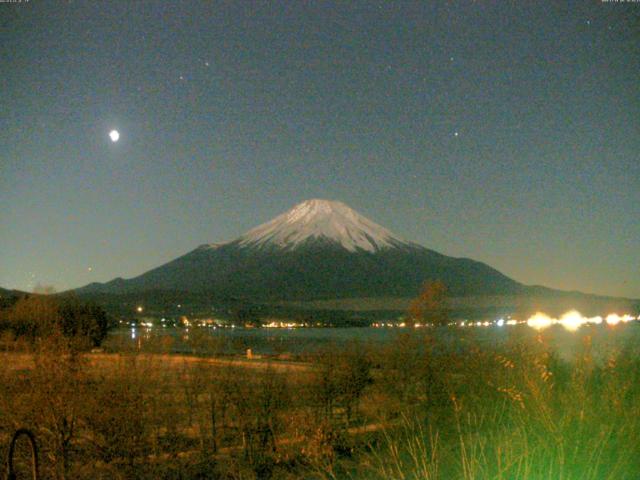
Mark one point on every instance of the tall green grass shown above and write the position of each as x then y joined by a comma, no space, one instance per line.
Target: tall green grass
517,413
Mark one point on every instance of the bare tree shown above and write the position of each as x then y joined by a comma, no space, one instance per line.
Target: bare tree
430,306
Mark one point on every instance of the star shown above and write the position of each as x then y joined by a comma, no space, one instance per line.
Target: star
206,64
455,134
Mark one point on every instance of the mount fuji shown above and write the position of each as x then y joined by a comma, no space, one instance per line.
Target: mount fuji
319,249
322,221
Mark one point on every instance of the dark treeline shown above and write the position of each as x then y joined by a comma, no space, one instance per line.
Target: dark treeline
29,318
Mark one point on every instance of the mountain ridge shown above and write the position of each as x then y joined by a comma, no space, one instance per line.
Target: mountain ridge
318,249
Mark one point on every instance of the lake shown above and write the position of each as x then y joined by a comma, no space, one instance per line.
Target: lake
270,341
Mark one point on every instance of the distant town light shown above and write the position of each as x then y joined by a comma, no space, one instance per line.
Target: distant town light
613,319
572,320
539,321
139,309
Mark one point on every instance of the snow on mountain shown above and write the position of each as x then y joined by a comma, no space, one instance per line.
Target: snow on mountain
317,250
322,219
266,265
210,246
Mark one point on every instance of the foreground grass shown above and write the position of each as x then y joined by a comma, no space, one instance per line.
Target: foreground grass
522,413
407,410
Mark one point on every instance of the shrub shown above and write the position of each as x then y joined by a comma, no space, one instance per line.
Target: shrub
39,317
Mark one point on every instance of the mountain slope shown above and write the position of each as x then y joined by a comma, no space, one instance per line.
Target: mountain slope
11,293
318,249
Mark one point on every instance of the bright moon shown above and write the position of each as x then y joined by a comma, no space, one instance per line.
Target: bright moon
114,135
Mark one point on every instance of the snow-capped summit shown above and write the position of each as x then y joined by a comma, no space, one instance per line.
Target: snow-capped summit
325,220
319,249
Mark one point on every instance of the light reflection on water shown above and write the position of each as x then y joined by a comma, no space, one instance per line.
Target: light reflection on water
603,336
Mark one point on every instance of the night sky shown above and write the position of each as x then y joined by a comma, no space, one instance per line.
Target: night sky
508,132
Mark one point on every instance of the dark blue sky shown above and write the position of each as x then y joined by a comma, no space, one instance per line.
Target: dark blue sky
504,132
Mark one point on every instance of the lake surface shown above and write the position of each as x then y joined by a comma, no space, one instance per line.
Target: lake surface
269,341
